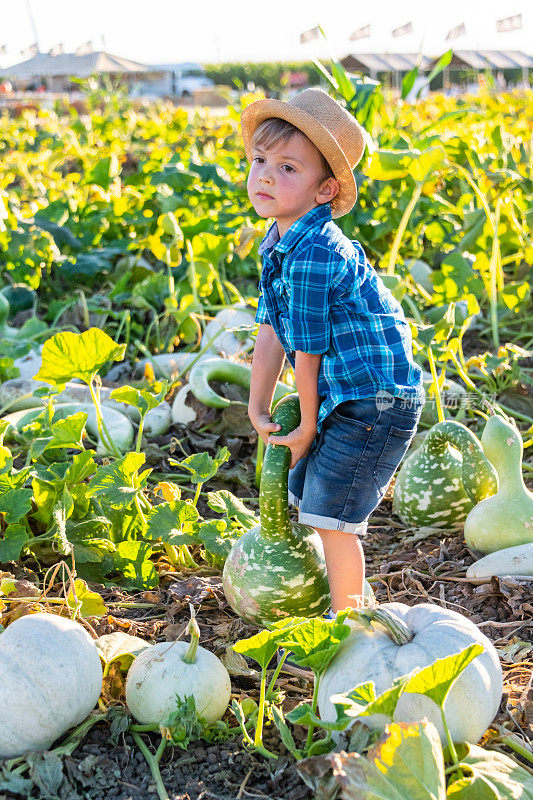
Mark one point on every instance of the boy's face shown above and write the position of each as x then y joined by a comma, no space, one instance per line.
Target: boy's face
286,181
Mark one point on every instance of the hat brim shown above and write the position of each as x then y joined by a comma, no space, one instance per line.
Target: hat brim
257,112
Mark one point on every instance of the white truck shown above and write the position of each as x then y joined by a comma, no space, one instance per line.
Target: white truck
177,80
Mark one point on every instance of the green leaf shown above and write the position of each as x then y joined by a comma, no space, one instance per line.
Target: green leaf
216,537
407,764
226,503
303,714
285,732
201,465
386,165
118,483
120,648
173,522
362,701
15,537
315,641
489,775
140,398
81,467
132,559
15,504
92,604
436,680
261,647
77,355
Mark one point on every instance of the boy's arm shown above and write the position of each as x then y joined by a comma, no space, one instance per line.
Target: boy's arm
267,364
307,366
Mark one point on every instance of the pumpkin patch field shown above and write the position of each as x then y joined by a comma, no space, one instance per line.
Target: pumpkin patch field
163,625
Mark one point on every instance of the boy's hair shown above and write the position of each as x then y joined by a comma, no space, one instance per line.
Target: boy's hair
273,130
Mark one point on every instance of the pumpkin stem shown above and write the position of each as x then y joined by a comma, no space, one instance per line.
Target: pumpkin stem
194,632
396,628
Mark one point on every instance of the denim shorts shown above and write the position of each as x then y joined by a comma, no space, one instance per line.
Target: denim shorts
350,464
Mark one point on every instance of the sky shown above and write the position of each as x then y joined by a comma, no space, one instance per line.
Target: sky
209,31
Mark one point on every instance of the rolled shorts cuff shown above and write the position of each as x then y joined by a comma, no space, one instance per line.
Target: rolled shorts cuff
328,523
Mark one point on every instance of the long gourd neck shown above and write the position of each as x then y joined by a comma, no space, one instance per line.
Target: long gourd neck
273,493
478,475
503,446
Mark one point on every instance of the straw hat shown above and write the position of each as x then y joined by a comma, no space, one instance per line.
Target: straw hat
334,131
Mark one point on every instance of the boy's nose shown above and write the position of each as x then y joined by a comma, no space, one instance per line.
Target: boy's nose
264,179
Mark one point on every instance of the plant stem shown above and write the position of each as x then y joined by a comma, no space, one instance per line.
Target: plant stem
139,435
153,763
100,423
258,740
276,673
314,704
435,385
197,493
401,228
451,746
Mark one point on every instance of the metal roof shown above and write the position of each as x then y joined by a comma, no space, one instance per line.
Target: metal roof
385,62
491,59
45,65
462,59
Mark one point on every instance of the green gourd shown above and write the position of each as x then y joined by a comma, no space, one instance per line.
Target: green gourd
277,569
222,369
6,331
505,519
442,480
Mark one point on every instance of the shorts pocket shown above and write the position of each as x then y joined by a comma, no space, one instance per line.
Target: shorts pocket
394,449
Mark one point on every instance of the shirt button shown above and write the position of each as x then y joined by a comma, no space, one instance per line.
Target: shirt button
369,427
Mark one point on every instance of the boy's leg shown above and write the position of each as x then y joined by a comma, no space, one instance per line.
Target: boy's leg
345,566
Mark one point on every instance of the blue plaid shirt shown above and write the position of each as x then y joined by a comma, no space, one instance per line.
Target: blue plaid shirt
321,295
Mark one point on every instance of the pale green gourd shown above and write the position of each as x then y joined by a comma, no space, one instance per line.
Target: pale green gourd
441,481
505,519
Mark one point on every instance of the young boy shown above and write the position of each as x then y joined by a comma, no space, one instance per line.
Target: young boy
325,308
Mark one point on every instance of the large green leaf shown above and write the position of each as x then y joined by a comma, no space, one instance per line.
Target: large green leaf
407,764
77,355
436,680
225,502
88,603
173,522
118,483
314,642
120,648
260,647
12,543
15,504
489,775
132,559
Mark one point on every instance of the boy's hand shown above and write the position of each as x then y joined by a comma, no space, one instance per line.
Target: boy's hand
298,441
263,424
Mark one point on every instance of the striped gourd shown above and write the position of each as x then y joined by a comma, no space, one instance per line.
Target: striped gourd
277,569
443,479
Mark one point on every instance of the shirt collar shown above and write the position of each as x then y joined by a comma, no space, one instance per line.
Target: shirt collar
313,218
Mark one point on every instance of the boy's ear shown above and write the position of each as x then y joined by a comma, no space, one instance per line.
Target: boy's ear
328,190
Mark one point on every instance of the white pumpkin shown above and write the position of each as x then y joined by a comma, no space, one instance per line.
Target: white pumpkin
50,679
434,633
168,669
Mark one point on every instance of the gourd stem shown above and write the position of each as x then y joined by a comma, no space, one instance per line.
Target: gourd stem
396,628
194,632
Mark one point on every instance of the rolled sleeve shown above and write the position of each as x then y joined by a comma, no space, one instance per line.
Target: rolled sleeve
309,302
261,315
